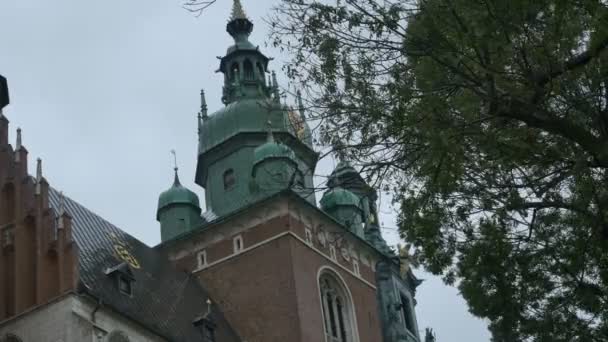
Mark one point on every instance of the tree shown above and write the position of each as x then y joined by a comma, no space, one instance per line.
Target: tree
488,122
197,6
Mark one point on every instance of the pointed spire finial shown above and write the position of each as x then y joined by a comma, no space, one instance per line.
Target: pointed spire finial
18,145
237,11
275,87
300,102
199,118
38,176
203,104
39,170
61,211
175,168
270,136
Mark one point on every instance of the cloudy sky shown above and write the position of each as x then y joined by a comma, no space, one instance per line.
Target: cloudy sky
103,90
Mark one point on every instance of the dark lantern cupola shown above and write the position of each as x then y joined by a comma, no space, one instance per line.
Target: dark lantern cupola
244,66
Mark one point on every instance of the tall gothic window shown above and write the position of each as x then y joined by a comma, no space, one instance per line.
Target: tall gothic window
248,68
337,310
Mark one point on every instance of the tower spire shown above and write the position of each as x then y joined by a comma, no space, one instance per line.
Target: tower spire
237,11
239,26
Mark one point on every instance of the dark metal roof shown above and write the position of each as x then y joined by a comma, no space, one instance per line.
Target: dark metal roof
163,299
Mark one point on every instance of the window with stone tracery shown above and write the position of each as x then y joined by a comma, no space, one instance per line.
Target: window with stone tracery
338,311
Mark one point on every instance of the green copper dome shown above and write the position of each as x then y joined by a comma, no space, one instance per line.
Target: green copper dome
272,149
243,116
339,197
177,194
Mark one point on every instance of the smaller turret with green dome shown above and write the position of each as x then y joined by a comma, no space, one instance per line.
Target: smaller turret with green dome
275,168
352,202
179,210
344,206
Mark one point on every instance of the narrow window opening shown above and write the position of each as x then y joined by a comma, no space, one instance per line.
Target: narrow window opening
202,259
248,68
332,319
229,179
234,71
238,244
341,319
124,285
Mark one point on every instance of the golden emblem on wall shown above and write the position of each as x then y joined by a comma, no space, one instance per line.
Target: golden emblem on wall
297,124
123,253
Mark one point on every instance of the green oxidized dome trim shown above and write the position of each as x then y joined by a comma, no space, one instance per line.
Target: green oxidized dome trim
177,194
339,197
272,149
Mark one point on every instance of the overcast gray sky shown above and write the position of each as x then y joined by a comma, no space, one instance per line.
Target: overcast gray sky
103,90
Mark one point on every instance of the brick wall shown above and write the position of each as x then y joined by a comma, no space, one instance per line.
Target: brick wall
38,262
269,291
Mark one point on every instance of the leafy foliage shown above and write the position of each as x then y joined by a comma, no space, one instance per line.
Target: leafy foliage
488,122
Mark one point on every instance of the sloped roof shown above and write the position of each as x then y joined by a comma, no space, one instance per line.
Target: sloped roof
163,299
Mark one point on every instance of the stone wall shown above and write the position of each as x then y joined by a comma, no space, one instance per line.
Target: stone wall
73,318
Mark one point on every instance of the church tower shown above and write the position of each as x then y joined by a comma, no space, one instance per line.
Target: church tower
282,267
228,138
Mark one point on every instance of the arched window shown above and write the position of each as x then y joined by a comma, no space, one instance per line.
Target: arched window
248,68
234,71
229,179
118,336
338,313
